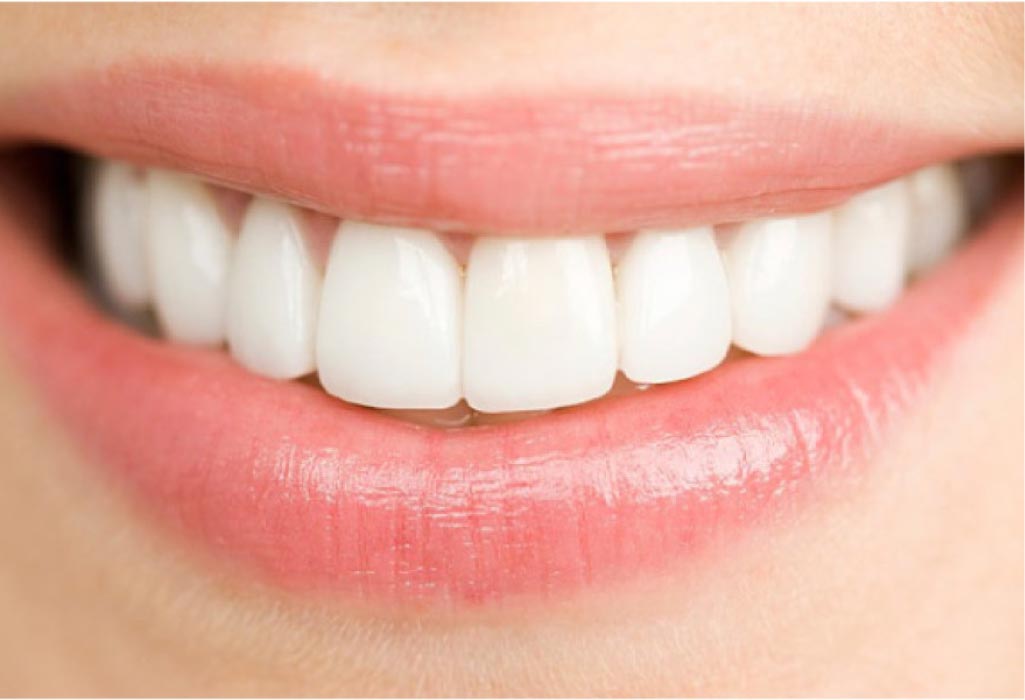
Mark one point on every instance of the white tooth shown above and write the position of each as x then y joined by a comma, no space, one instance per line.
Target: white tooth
779,275
273,294
540,323
870,234
674,306
390,318
117,210
188,249
939,215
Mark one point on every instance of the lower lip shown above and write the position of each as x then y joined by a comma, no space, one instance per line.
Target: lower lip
319,495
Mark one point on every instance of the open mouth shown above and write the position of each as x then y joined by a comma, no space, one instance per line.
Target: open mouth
465,351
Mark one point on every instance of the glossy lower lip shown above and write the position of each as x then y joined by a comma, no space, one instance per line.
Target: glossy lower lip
319,495
512,163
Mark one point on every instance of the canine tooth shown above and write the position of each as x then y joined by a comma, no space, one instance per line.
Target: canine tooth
540,323
674,305
390,330
779,276
117,210
273,294
188,250
870,234
939,215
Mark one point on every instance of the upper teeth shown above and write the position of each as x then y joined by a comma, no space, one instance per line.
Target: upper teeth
540,323
389,331
273,294
394,321
779,274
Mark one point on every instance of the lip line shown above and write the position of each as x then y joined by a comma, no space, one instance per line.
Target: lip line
514,164
320,495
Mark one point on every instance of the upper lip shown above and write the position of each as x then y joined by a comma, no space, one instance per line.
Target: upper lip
517,164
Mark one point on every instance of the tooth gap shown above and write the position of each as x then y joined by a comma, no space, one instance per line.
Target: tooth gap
231,205
459,245
319,230
618,243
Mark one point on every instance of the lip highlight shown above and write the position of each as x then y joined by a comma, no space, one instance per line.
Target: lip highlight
319,495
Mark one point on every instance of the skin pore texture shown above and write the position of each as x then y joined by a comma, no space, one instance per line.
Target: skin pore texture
908,580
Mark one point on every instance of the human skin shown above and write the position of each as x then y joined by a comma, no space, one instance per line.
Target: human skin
906,582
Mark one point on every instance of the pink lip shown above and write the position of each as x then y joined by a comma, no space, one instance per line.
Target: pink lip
320,495
505,164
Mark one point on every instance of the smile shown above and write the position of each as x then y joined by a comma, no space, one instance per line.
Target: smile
463,351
